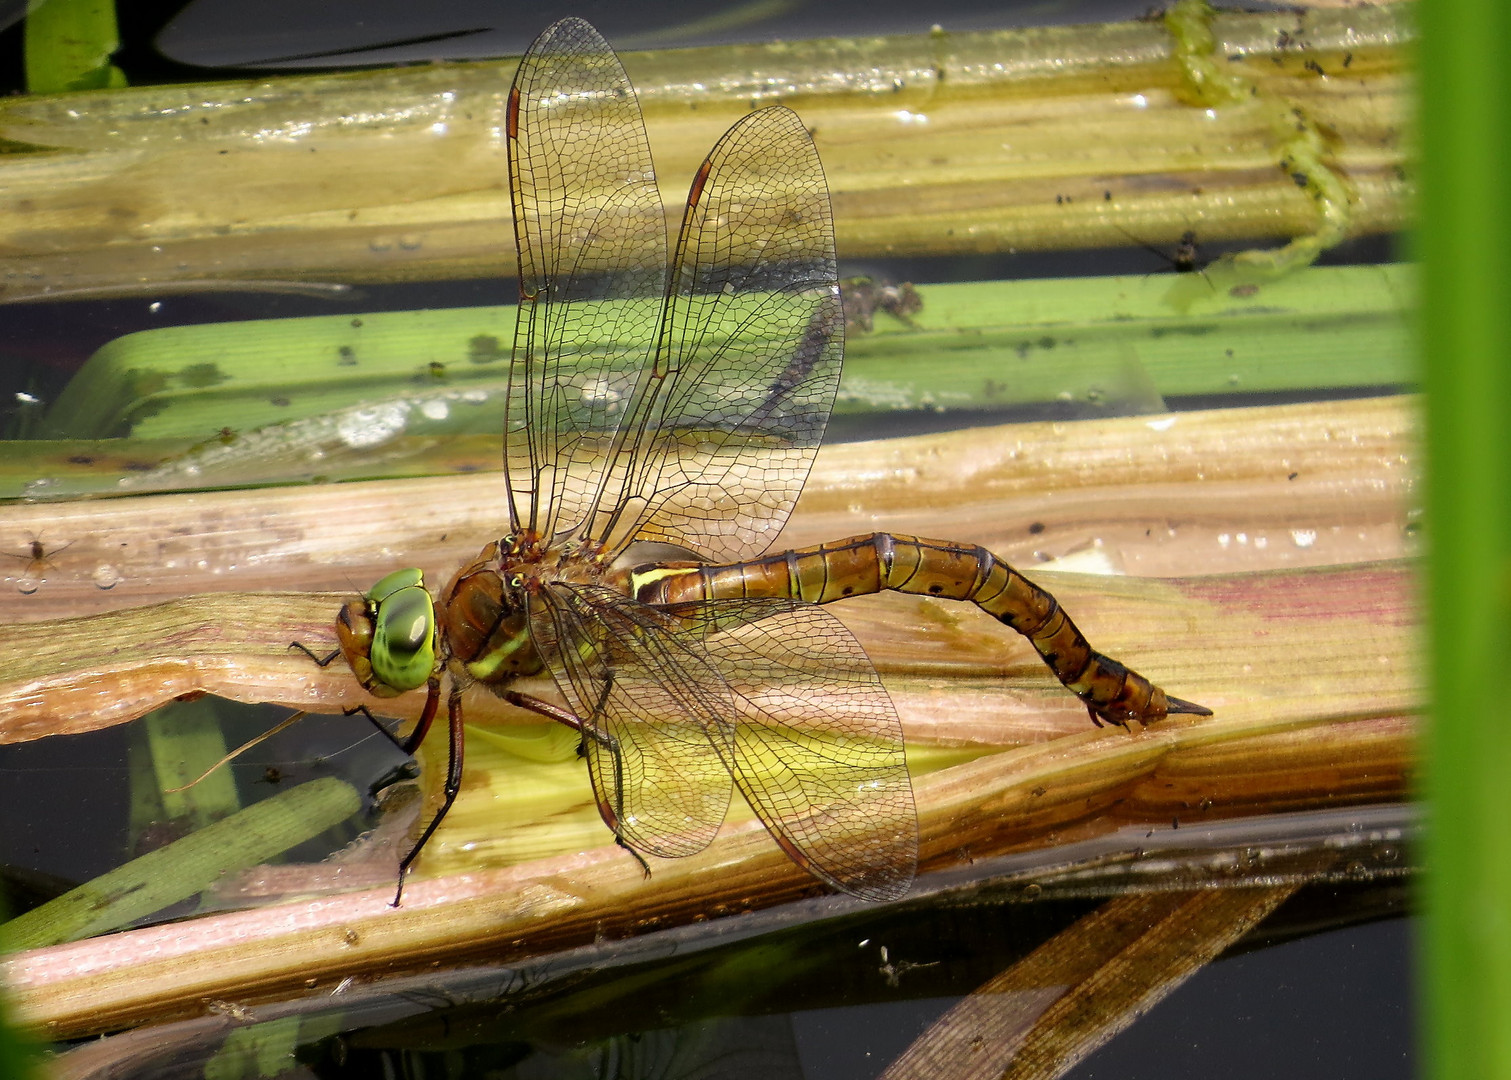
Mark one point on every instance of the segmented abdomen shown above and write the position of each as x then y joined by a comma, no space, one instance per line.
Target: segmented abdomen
866,564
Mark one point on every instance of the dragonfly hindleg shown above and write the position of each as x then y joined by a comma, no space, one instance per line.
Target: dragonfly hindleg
610,814
563,717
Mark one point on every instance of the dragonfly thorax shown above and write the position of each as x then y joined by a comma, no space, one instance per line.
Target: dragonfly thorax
485,617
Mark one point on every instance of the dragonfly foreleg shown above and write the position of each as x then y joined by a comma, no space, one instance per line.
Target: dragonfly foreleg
375,722
306,650
453,769
588,730
427,715
405,746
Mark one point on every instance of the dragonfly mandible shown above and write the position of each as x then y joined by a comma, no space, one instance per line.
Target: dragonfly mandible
662,415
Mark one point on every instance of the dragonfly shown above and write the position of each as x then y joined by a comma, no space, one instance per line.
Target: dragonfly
661,417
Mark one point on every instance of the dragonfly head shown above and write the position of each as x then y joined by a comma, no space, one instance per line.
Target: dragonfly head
389,635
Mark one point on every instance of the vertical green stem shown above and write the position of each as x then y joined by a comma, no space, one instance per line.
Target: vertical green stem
68,46
17,1057
1465,244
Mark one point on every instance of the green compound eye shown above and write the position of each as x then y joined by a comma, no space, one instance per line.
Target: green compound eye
403,646
392,583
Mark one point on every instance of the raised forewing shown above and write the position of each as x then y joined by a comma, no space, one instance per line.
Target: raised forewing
591,234
723,426
773,692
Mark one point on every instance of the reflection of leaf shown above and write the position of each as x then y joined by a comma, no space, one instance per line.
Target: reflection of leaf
1044,1014
185,867
181,740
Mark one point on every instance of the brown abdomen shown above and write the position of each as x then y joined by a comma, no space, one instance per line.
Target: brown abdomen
866,564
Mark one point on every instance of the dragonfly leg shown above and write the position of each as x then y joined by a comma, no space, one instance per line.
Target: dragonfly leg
610,814
306,650
375,722
453,769
563,717
405,746
427,716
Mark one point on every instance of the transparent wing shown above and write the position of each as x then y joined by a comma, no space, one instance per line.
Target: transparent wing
724,424
818,749
591,234
783,699
652,741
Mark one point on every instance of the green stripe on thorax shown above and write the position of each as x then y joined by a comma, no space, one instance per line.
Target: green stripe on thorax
485,667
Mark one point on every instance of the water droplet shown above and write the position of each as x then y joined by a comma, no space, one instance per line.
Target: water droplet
106,576
28,585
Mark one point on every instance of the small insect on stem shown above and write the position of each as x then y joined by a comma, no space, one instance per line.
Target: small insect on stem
1186,258
38,561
